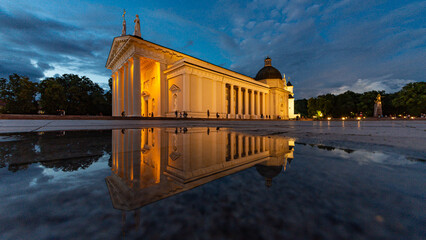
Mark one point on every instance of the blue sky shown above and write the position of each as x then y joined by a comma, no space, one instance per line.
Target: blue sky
323,46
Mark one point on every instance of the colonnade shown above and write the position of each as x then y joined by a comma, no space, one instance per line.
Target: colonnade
126,89
240,146
245,103
132,158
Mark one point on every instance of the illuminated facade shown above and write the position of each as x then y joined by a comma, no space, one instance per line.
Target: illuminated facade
152,80
152,164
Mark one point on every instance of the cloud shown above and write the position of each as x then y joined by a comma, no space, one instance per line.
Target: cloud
35,44
386,83
334,46
323,46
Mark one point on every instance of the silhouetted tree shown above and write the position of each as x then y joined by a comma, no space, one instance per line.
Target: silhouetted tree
301,107
75,95
19,94
412,98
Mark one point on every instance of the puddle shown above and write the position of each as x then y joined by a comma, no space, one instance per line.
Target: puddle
204,183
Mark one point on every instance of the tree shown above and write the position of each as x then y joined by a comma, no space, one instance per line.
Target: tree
53,96
326,104
312,107
387,105
19,93
74,94
346,104
301,107
412,98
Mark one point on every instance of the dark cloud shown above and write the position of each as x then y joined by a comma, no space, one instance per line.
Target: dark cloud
332,47
35,44
326,46
21,66
24,21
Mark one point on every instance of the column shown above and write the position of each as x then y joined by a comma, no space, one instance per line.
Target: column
223,108
264,104
232,147
120,92
240,102
164,100
240,145
114,98
137,156
113,149
115,86
126,88
258,104
246,141
246,110
232,100
137,87
130,88
121,155
252,104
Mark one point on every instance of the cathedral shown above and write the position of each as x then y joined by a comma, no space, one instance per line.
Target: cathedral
150,80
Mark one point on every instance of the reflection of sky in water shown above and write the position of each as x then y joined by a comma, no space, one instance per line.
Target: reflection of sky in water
322,194
368,157
55,175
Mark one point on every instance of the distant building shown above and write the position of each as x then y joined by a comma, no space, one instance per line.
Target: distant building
152,80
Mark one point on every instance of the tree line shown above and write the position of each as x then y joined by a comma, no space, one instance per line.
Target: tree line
80,96
410,100
70,93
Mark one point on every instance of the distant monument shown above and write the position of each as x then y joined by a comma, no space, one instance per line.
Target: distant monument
123,31
137,31
378,106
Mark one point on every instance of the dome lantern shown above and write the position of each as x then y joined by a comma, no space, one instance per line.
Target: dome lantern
268,61
268,71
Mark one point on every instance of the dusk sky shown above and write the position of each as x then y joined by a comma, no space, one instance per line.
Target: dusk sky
323,46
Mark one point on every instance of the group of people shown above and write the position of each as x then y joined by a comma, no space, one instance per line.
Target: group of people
181,114
61,112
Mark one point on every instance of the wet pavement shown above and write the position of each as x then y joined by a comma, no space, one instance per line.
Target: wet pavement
206,183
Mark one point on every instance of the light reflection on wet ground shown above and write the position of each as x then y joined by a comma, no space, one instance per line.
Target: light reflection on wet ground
204,183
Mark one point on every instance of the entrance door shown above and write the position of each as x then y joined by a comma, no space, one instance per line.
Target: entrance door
145,111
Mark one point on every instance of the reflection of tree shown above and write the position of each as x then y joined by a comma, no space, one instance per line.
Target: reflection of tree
68,152
72,164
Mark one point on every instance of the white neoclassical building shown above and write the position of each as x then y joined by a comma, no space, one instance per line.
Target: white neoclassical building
150,80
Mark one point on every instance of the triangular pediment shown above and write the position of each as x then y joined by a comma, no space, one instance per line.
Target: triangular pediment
117,44
174,88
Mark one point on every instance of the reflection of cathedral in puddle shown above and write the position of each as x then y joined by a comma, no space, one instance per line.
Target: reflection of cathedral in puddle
152,164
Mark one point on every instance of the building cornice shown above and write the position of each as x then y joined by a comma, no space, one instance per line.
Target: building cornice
180,66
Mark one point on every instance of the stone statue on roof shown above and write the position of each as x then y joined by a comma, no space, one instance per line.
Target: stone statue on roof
123,31
137,31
